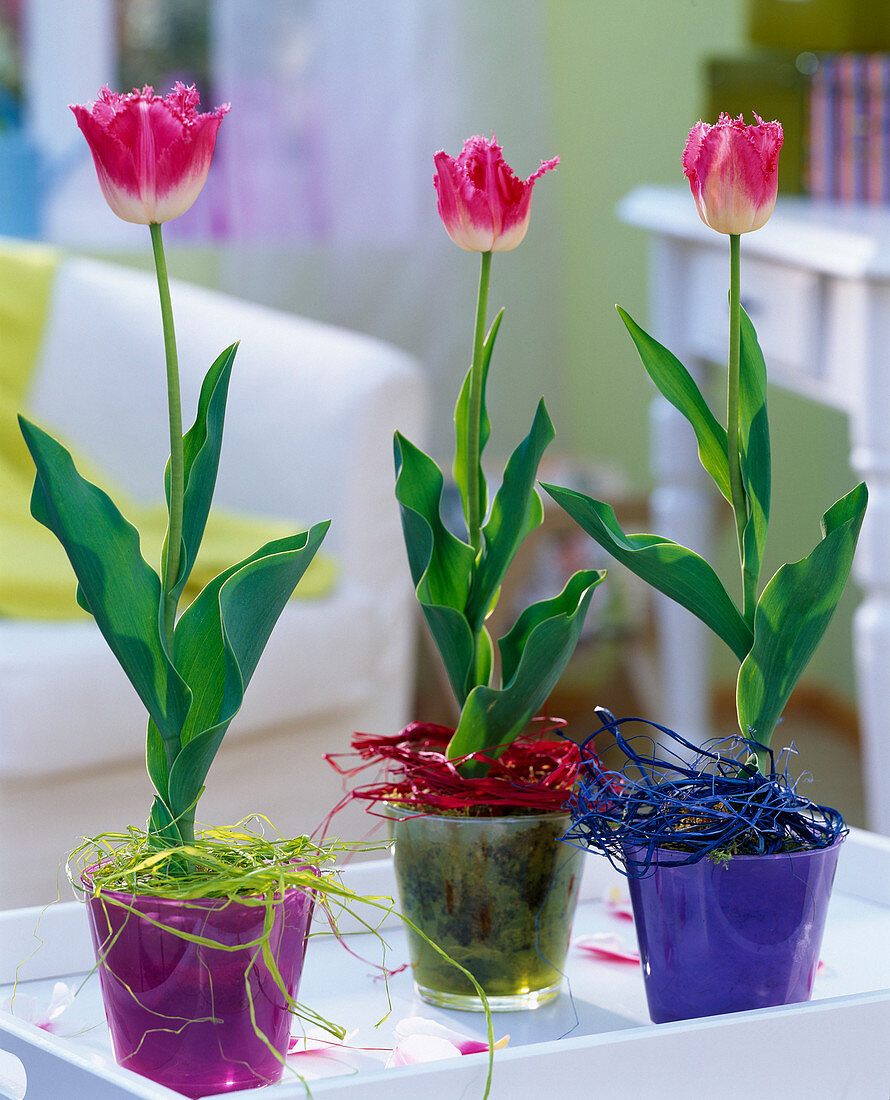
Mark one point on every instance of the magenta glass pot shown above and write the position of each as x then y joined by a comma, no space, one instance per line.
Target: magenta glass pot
199,1017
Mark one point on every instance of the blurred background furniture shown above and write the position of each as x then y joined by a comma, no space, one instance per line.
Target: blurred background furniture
816,283
308,436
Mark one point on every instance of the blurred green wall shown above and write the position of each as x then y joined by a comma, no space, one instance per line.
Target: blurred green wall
625,90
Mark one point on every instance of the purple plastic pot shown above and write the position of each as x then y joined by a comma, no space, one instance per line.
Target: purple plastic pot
179,1012
726,937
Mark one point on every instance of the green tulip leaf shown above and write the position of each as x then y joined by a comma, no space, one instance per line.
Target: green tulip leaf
678,387
162,827
792,614
755,452
673,569
441,565
201,450
484,660
574,597
462,420
157,761
516,511
534,655
121,590
219,640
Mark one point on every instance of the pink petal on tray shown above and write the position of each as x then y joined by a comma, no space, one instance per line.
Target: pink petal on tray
421,1040
607,947
42,1014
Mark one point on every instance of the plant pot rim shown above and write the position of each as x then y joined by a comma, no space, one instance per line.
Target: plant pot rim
397,812
745,858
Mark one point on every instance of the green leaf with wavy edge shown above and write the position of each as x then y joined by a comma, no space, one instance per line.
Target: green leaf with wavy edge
462,419
677,386
201,450
534,655
120,588
516,511
792,614
671,568
219,640
441,565
755,450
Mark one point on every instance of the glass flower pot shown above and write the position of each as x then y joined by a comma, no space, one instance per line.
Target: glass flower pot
497,894
719,937
190,1001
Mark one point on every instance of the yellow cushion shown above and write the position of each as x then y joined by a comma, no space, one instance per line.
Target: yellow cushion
36,581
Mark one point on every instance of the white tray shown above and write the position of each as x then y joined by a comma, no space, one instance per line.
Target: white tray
594,1040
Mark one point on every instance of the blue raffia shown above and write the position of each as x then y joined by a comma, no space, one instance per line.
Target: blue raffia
666,808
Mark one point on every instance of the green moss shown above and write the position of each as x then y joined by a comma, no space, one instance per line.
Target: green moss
497,895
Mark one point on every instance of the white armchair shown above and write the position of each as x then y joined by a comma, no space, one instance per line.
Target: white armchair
308,437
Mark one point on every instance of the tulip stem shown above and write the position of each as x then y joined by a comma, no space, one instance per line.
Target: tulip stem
733,440
474,428
171,565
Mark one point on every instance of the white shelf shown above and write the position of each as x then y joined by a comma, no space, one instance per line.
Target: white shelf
597,1031
847,240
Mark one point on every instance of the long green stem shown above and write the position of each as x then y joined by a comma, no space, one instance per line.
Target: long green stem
736,486
474,428
170,569
481,669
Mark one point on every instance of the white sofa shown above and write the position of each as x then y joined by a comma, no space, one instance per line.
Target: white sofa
308,436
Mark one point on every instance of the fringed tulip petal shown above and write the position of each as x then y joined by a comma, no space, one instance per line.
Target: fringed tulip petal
733,171
484,206
152,154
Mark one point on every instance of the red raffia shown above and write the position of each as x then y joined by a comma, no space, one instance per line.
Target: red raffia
530,775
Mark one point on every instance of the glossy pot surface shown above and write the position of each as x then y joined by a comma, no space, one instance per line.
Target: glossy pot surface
718,937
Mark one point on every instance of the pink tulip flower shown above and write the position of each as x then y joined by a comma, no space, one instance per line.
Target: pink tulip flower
152,154
733,170
484,205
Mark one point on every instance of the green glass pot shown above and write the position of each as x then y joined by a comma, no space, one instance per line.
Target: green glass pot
497,894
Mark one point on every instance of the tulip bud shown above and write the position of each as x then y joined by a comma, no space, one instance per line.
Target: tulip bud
152,154
485,207
733,171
